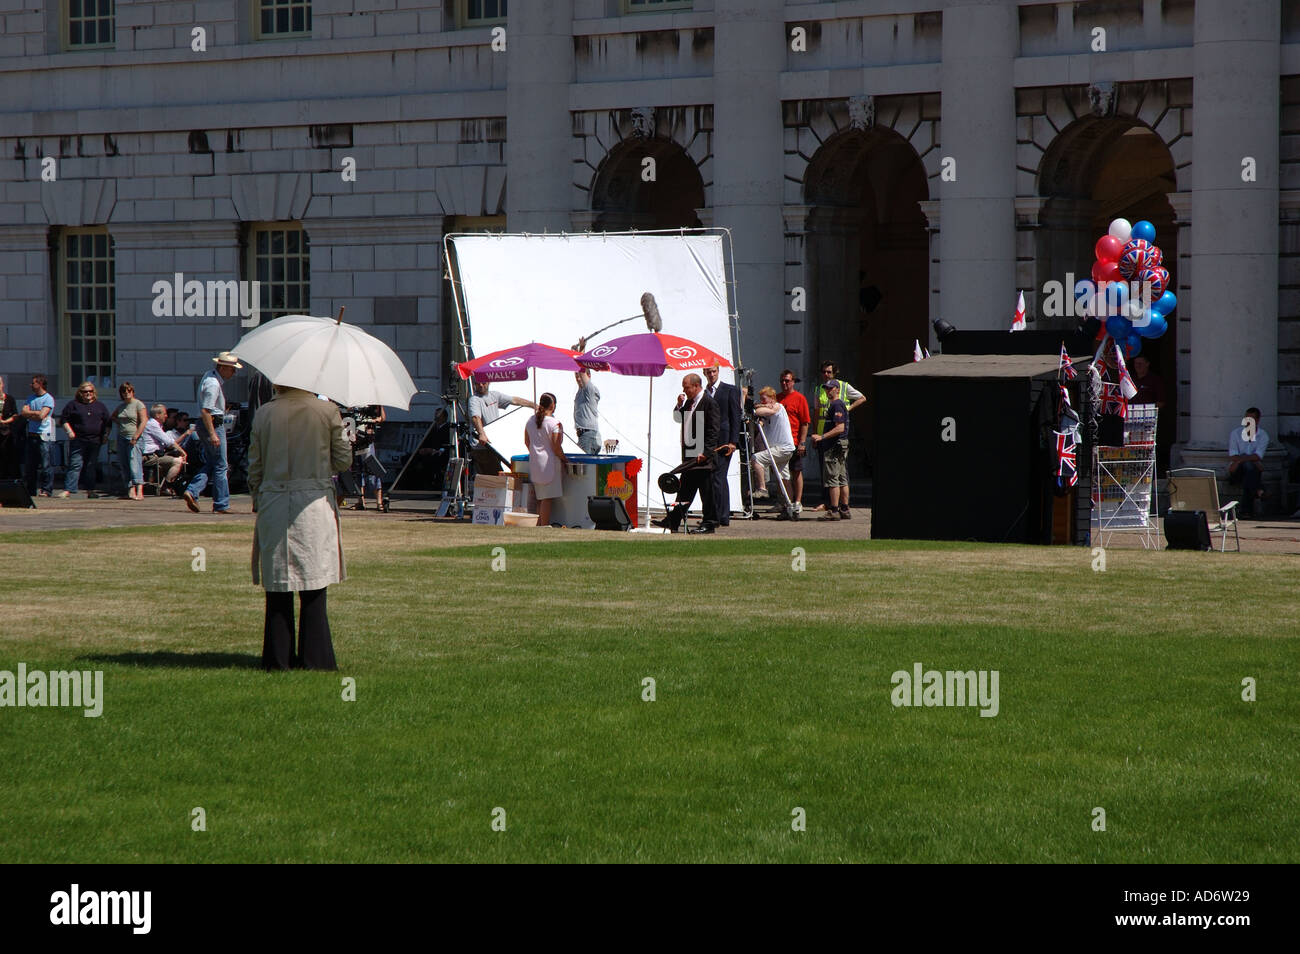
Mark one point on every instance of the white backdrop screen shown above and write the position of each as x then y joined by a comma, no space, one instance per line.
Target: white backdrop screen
555,288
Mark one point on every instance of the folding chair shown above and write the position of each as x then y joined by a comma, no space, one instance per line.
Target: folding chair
1195,488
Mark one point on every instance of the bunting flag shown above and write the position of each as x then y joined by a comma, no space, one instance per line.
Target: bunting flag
1067,471
1018,323
1067,365
1099,359
1126,384
916,351
1113,400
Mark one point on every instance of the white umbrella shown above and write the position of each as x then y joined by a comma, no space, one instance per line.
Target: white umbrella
328,357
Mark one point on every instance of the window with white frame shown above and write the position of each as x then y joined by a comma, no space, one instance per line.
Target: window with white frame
88,24
480,12
87,307
273,19
279,257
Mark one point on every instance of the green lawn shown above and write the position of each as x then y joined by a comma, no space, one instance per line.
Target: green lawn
522,690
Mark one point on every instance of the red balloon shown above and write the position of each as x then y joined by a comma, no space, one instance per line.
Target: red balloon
1109,249
1105,272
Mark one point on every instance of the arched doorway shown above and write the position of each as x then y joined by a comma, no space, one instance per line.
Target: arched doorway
1094,171
647,183
867,260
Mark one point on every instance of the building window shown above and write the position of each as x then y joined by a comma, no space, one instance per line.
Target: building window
88,24
653,6
280,258
281,18
480,12
87,307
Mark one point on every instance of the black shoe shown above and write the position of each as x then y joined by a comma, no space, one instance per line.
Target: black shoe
784,515
704,528
844,514
359,505
664,525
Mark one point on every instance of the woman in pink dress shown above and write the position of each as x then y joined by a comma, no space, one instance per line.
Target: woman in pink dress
543,434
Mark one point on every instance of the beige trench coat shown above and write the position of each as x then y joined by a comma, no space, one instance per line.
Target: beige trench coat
296,446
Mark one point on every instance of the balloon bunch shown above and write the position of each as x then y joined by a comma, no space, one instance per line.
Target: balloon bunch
1130,285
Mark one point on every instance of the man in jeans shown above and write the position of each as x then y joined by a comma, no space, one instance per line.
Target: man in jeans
87,421
38,417
212,436
586,413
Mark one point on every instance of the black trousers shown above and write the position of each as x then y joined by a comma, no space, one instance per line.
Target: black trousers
693,481
315,650
722,489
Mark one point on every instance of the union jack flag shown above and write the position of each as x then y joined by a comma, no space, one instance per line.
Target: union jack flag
1113,400
1067,471
1067,365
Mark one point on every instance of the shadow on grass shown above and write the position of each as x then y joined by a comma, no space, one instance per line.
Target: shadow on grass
166,660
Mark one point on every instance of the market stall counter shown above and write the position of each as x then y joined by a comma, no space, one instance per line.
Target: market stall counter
589,475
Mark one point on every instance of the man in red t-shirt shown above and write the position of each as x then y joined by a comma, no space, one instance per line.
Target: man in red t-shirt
796,408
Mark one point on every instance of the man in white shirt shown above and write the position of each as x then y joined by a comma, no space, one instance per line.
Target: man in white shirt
484,408
156,442
212,436
777,442
1246,462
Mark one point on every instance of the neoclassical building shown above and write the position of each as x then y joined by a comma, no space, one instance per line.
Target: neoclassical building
879,164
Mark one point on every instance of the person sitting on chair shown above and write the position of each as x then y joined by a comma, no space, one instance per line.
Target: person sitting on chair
1246,463
484,406
156,445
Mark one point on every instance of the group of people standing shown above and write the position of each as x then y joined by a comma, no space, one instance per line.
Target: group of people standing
711,417
28,433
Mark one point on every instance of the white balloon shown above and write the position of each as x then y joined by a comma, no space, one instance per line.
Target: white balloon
1121,229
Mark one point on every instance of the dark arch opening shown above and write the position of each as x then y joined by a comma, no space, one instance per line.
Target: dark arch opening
868,262
1096,170
626,197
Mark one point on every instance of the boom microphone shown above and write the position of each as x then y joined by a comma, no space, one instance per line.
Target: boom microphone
651,312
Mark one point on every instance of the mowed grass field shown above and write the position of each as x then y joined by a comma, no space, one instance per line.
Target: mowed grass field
522,689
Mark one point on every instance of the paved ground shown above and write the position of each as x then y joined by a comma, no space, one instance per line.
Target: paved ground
1278,535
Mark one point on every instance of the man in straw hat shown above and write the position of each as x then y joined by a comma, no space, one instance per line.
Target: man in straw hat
212,436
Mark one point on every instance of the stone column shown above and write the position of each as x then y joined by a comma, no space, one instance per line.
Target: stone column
750,46
978,132
539,139
930,208
797,275
1182,206
1234,240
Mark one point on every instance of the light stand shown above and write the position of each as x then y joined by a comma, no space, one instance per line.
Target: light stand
455,498
745,380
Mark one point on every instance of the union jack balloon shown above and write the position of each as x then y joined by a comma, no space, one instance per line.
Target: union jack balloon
1134,257
1159,279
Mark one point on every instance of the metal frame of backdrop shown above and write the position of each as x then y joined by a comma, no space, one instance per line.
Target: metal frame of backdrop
729,279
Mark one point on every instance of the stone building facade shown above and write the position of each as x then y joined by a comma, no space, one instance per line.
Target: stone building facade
879,164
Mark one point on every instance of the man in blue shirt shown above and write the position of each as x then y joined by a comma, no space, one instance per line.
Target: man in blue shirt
586,415
1246,463
37,415
212,436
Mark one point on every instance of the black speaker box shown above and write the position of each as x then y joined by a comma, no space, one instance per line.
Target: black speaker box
14,494
1187,530
608,513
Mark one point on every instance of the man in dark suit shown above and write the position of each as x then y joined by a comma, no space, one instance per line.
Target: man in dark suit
698,415
727,397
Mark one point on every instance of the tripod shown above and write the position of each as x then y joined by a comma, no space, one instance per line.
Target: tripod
776,473
454,496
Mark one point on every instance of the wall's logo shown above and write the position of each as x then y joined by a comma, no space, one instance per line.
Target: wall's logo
506,362
604,351
681,353
103,907
179,298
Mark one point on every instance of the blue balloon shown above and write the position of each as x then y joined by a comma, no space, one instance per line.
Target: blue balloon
1165,304
1134,347
1118,327
1144,230
1155,327
1116,298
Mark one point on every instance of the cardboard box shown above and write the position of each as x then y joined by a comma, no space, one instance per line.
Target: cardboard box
492,497
493,482
490,516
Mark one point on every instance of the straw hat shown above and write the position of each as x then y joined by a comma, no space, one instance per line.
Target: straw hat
228,359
